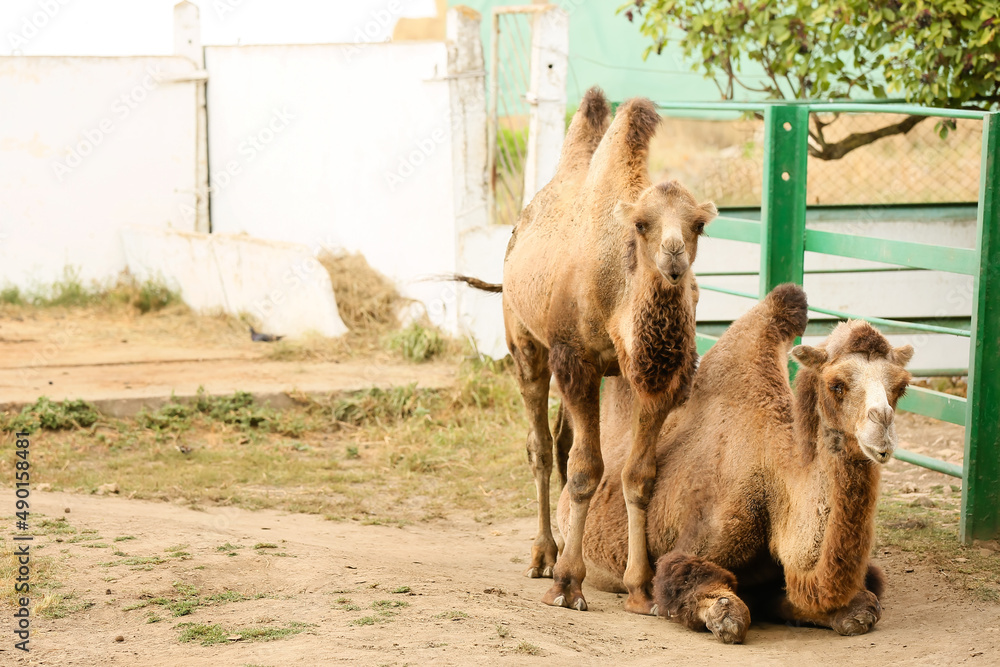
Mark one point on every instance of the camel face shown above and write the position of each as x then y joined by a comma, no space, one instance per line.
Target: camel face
667,221
860,380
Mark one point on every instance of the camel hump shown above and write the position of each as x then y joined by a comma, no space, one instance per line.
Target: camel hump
588,126
788,311
641,120
595,110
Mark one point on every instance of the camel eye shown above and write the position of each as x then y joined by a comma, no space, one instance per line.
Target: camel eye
641,227
837,388
699,228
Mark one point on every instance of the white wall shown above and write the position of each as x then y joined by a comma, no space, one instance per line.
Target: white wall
339,145
88,145
143,27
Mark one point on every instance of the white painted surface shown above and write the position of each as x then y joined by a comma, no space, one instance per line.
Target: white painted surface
88,145
280,284
131,27
547,96
304,148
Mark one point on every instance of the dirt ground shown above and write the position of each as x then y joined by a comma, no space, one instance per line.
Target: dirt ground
444,591
467,602
122,363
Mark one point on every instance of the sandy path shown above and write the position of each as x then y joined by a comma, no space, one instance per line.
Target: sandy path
455,565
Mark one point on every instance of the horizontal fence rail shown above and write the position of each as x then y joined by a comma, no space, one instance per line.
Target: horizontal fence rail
784,240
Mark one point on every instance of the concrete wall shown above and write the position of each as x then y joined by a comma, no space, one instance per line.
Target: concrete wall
88,145
297,155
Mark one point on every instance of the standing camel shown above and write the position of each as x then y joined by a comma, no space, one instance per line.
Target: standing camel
597,282
774,490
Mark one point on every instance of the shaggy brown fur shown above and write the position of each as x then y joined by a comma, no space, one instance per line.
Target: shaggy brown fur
777,490
597,282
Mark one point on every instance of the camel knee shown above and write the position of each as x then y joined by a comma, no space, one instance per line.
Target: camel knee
583,484
638,480
539,447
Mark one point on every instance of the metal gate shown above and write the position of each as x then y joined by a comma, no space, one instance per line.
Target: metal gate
528,51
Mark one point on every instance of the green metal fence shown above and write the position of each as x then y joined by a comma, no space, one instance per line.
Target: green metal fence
784,239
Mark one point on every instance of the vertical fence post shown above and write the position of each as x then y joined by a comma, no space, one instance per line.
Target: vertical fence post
981,479
783,206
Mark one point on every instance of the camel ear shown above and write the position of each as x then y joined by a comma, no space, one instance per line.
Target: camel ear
710,211
901,355
623,212
808,356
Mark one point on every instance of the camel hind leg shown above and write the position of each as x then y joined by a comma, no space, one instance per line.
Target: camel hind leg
563,443
701,595
531,360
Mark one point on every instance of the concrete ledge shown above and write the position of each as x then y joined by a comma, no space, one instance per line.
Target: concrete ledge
280,284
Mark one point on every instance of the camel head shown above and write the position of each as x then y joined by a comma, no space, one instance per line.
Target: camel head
858,378
665,222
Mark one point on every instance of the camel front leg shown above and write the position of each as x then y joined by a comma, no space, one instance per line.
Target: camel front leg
580,385
638,479
856,618
701,595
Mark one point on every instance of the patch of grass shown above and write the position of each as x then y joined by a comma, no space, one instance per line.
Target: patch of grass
931,533
208,635
265,545
70,292
11,296
414,454
50,415
137,562
124,538
400,589
368,620
188,599
417,343
452,615
503,631
527,649
346,604
389,604
56,605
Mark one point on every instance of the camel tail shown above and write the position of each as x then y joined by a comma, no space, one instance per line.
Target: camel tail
788,311
478,284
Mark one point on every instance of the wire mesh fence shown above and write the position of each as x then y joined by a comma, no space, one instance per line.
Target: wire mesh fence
722,160
509,113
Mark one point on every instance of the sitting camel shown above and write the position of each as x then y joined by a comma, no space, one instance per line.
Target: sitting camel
757,486
597,282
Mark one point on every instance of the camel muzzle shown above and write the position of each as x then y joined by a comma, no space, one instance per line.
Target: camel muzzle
673,266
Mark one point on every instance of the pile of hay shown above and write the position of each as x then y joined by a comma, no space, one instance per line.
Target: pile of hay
367,300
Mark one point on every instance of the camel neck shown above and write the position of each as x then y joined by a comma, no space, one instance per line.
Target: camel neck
845,522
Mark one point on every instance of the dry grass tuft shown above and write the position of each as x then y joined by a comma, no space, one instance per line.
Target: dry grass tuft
367,300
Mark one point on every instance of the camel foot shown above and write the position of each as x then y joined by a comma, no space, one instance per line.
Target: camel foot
543,560
639,602
565,595
728,619
539,572
859,617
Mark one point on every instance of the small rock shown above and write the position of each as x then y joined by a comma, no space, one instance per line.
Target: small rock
66,510
234,638
923,501
961,560
119,638
908,570
105,489
107,592
43,487
985,552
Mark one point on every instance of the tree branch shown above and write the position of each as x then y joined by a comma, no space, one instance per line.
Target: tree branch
851,142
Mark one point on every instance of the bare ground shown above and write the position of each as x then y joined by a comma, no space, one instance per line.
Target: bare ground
465,592
330,583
